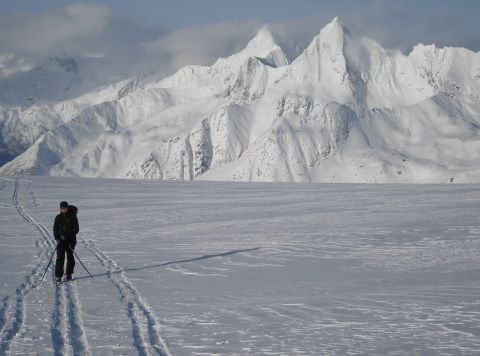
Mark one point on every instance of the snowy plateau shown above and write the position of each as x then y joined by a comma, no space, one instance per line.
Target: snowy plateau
344,110
242,268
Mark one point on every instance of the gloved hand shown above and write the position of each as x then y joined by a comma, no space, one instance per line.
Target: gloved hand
62,237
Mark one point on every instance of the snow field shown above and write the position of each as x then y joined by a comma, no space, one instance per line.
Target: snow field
192,268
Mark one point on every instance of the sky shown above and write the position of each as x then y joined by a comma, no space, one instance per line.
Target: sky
141,36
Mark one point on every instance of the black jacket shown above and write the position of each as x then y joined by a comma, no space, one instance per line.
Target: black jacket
66,225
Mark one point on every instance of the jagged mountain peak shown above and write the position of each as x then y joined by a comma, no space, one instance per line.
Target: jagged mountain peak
262,46
263,42
324,61
337,26
332,36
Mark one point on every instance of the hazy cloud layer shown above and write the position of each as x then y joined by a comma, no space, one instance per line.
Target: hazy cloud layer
396,25
23,32
202,44
91,30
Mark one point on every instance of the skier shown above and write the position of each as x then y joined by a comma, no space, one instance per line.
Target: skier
65,230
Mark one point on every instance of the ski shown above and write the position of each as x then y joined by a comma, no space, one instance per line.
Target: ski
69,282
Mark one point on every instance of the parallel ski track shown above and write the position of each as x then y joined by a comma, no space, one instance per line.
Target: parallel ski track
64,323
145,325
13,313
67,329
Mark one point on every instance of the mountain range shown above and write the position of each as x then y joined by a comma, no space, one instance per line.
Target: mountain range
345,110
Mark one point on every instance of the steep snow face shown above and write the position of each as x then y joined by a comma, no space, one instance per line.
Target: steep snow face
220,138
304,135
262,46
21,127
345,110
323,64
252,80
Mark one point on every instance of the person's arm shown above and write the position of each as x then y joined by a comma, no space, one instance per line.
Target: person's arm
56,234
76,228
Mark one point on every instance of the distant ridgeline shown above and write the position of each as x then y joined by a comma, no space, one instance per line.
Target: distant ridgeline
345,110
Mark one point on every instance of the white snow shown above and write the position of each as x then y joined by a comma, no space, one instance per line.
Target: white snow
195,268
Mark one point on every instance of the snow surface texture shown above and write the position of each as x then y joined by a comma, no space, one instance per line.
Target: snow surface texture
202,268
345,110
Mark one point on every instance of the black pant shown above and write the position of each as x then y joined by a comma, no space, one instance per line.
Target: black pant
61,250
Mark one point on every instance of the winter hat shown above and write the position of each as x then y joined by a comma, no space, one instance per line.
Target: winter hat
63,204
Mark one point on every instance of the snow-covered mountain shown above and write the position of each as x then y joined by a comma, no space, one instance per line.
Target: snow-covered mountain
36,99
345,110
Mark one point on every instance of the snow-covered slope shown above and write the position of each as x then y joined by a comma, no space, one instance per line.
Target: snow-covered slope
345,110
35,100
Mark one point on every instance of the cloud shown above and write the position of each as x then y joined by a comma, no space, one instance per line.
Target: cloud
29,33
123,47
202,44
88,31
402,25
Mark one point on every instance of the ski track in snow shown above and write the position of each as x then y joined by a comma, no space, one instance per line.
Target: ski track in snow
77,332
67,332
32,195
145,325
13,310
3,312
67,329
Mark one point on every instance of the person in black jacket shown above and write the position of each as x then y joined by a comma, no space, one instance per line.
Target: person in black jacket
65,230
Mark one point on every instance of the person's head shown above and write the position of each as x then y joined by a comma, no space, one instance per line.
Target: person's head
63,207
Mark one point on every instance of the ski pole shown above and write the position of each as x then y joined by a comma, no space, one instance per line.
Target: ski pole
50,261
78,258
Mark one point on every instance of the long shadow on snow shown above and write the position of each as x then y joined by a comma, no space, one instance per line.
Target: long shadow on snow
204,257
